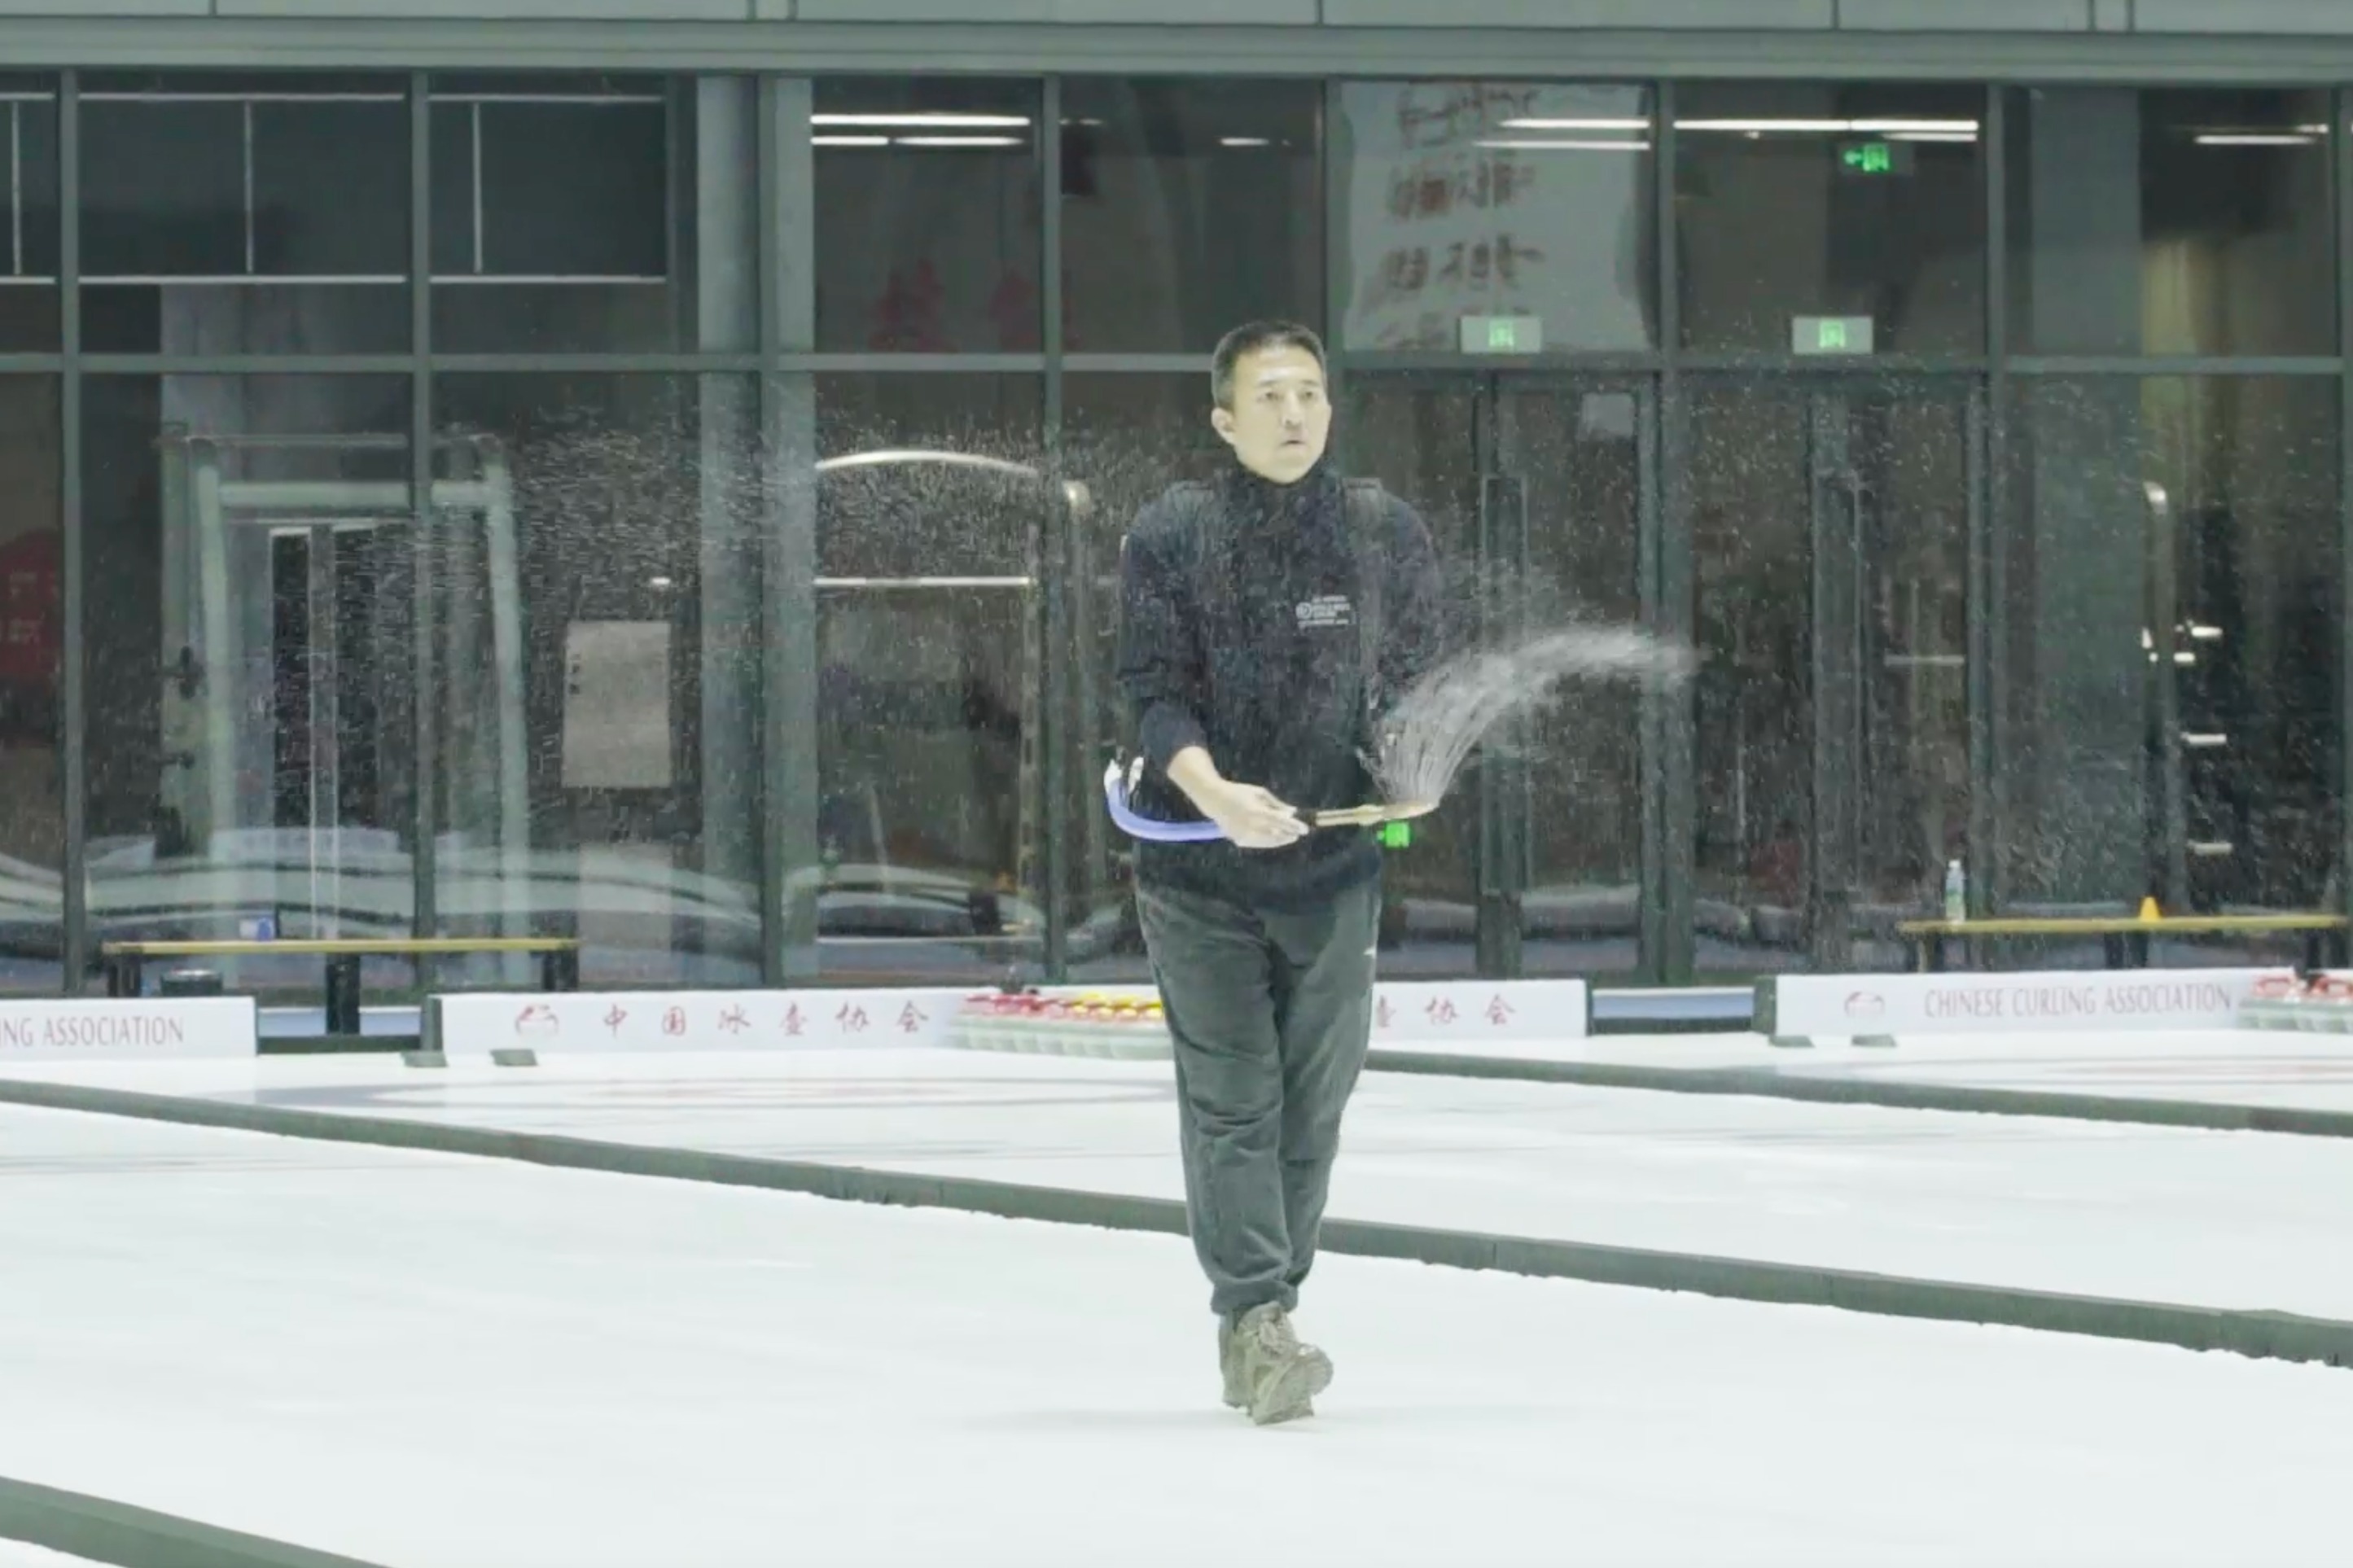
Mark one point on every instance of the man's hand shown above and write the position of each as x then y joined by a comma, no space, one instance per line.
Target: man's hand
1253,817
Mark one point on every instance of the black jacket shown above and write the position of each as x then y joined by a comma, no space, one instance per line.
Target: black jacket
1243,618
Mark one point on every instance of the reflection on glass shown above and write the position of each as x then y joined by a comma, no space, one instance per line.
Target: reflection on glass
600,213
2170,621
596,576
248,615
28,243
1860,204
1830,536
1160,179
1573,458
2171,222
239,214
32,799
1417,437
927,216
1127,438
932,523
1468,200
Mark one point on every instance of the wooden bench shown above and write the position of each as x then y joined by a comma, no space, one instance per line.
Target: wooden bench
559,961
2126,937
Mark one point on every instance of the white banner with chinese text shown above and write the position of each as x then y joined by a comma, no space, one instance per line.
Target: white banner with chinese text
475,1023
1464,1015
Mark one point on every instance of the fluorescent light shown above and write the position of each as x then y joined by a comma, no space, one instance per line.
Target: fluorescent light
1563,146
660,583
1535,123
849,141
1968,136
959,141
1834,127
1244,142
939,121
2255,138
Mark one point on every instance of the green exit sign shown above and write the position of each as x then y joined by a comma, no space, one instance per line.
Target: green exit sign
1502,334
1830,335
1874,157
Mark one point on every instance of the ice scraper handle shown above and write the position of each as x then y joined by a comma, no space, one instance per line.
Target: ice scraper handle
1136,826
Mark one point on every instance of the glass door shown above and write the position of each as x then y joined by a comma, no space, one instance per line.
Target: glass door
1534,492
1831,528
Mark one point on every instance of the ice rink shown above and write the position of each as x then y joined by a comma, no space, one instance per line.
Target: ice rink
432,1362
2240,1220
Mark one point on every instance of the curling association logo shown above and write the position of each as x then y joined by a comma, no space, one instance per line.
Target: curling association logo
1866,1005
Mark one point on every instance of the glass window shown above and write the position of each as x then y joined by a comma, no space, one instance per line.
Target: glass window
1830,537
928,216
1125,439
1862,205
2169,623
596,571
925,685
28,245
595,215
32,792
1188,208
2171,223
1476,199
244,215
247,614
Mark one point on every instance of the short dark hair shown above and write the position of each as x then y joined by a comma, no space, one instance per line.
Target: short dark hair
1256,337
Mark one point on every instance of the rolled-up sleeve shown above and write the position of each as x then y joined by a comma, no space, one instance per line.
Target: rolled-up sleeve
1159,657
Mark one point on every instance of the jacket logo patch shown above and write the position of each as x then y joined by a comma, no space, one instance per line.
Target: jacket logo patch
1324,612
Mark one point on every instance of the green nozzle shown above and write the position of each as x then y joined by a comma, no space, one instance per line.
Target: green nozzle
1396,835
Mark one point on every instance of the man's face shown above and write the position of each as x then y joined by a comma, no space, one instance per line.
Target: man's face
1280,420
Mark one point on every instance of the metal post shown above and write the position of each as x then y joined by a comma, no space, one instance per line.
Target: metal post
2341,103
1987,639
73,876
1051,571
1670,946
425,771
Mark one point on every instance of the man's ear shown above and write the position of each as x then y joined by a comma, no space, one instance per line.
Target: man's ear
1221,420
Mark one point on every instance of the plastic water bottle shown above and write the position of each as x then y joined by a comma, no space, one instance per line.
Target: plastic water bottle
1957,893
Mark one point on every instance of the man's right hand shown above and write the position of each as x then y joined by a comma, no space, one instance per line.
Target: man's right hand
1252,817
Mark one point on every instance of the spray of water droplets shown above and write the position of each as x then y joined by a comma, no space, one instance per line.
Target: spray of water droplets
1431,731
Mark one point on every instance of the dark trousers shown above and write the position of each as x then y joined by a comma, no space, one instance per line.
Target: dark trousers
1271,1012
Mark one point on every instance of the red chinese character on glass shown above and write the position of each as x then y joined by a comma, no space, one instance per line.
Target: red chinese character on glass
853,1019
794,1022
1384,1016
615,1017
1499,1012
1440,1010
674,1021
735,1020
910,1019
1509,254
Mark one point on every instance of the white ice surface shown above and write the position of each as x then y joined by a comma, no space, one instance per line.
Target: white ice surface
2224,1067
2217,1219
427,1362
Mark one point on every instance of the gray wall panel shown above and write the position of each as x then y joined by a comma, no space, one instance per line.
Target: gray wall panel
1967,15
1293,12
495,10
2244,15
1634,14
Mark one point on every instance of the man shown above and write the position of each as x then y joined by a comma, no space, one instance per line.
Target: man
1265,619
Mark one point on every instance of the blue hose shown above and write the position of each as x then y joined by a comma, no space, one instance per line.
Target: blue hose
1152,829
